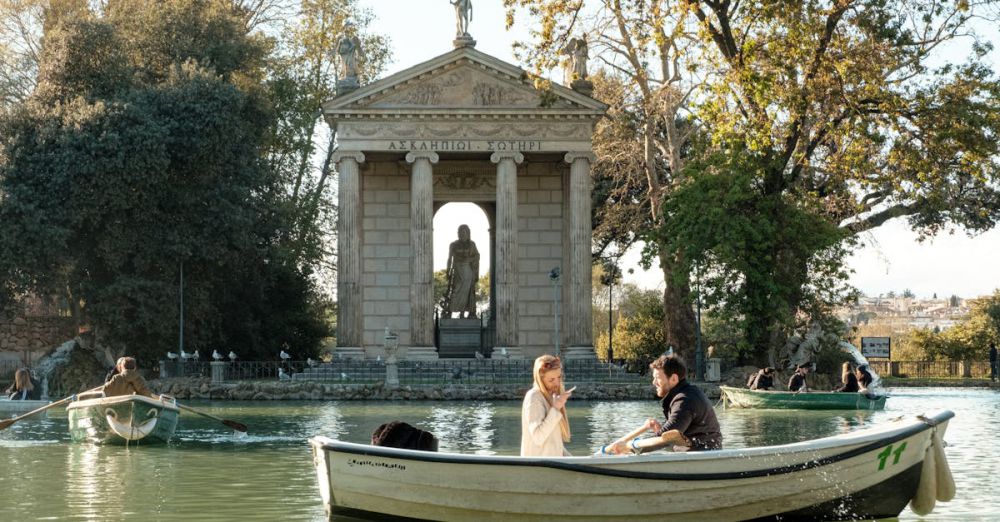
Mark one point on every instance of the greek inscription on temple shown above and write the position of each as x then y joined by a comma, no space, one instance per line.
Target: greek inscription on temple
466,145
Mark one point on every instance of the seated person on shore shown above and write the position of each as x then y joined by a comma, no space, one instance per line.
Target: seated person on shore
397,434
762,380
128,381
864,378
22,388
691,424
850,382
798,381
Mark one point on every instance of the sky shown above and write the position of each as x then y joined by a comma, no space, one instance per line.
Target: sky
891,258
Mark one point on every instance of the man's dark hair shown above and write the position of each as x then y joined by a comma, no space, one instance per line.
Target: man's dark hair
806,366
398,434
128,363
768,370
670,365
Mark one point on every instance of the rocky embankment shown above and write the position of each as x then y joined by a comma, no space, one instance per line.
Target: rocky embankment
201,388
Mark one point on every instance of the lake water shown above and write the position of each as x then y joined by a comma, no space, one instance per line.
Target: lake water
208,473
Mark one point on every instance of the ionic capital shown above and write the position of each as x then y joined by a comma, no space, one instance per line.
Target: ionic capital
357,155
497,157
429,155
570,157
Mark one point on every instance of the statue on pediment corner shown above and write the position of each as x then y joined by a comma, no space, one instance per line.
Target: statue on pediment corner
576,63
349,49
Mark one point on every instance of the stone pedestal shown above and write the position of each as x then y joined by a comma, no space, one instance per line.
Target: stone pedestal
463,41
391,374
459,338
218,371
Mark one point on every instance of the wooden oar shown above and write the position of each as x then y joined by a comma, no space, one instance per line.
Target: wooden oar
232,424
6,423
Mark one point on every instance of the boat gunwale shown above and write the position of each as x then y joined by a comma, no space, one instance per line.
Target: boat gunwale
776,393
870,439
116,399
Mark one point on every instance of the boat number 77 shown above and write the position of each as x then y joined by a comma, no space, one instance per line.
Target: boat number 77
884,455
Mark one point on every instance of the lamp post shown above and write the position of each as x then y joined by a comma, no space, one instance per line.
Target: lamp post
554,277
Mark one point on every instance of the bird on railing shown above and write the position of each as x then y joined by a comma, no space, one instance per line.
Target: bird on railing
282,375
196,355
171,355
311,362
344,377
184,355
284,355
216,355
232,356
480,356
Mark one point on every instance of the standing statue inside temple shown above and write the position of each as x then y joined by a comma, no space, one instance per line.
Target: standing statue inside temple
463,15
463,274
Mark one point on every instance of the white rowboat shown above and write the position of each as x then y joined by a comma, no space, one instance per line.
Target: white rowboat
867,474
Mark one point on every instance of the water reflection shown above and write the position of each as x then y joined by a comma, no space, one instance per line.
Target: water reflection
464,429
207,473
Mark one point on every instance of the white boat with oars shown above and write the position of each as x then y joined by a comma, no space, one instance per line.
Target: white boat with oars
872,473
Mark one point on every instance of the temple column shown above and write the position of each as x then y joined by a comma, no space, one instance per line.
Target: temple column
506,255
579,324
422,249
349,242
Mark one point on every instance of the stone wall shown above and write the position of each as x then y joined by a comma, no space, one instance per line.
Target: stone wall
194,388
540,244
385,254
35,334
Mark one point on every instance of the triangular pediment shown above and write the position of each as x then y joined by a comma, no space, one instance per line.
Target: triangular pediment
466,80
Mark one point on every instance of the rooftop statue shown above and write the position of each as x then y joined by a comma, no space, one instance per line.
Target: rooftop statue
463,15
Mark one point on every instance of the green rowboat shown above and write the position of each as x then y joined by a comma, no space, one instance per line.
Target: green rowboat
124,419
784,400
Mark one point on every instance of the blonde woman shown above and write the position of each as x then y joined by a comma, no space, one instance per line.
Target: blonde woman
23,388
544,424
847,378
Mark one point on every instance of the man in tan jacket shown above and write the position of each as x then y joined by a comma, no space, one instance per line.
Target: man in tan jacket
128,381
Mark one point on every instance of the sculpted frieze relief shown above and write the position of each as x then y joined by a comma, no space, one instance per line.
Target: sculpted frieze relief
463,86
464,181
482,130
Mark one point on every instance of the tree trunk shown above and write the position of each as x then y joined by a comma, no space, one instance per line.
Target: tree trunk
679,319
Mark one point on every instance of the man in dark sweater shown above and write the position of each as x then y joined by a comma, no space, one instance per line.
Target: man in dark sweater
690,423
798,381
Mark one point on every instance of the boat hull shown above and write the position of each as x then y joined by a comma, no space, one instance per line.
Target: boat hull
126,419
783,400
8,406
846,476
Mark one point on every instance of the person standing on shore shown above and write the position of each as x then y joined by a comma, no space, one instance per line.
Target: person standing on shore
993,361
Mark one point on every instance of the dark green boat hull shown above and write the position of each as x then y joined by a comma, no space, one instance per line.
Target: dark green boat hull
783,400
123,420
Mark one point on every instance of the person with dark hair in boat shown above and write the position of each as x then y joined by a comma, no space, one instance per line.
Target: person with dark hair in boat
849,380
798,381
690,425
128,381
397,434
864,378
762,380
115,370
544,424
23,388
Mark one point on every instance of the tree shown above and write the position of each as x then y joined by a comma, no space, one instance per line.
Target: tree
301,75
638,333
846,119
646,79
138,153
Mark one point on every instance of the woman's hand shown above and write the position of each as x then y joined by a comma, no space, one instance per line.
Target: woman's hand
559,401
